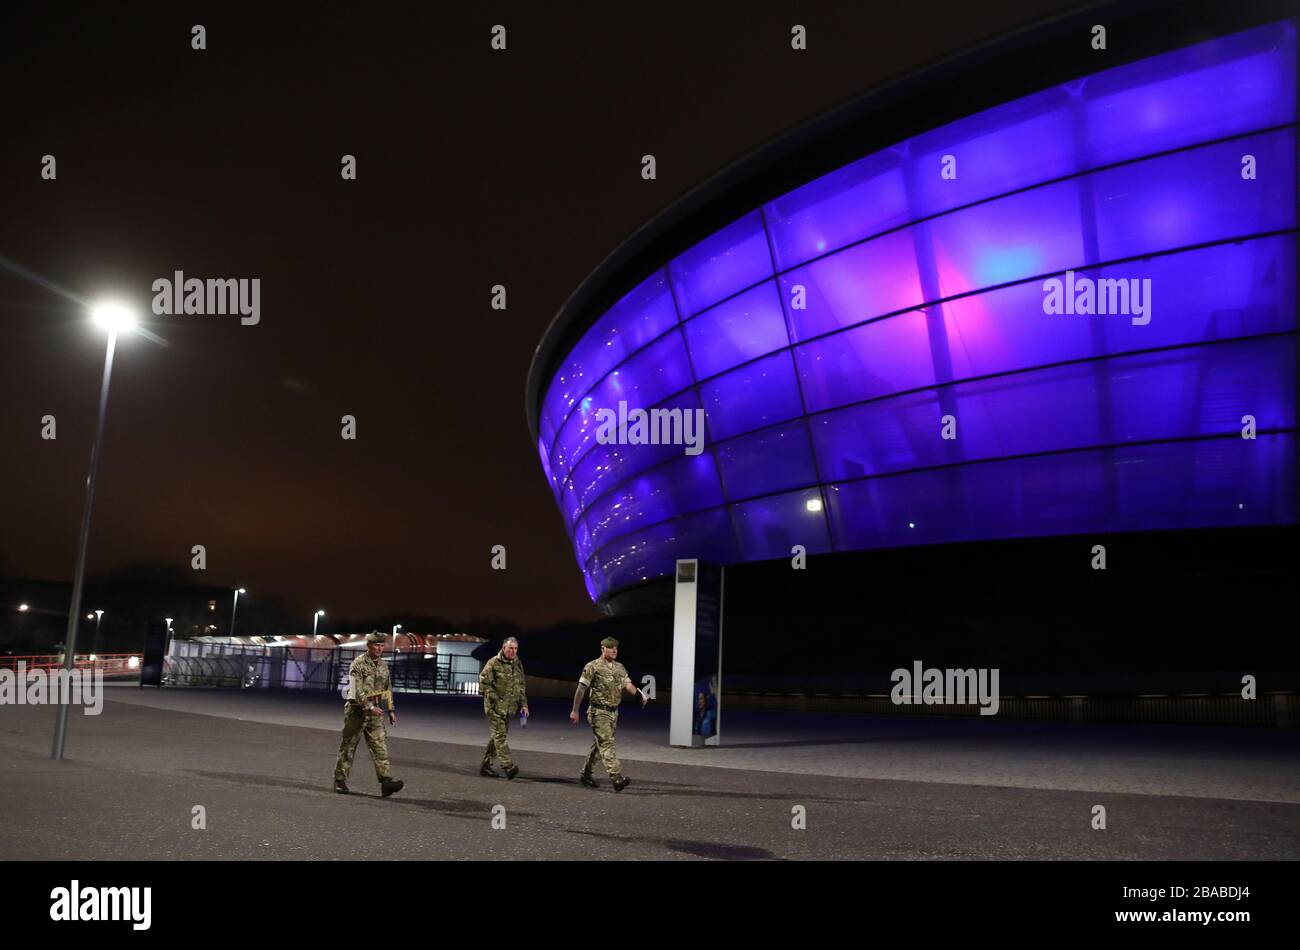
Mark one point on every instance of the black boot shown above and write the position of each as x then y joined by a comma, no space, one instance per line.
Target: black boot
340,786
389,785
512,771
486,770
621,783
588,781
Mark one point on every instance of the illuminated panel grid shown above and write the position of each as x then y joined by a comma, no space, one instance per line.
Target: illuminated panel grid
826,335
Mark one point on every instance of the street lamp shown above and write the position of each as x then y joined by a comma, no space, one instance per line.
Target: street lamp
315,620
396,627
99,615
23,608
115,318
233,608
167,644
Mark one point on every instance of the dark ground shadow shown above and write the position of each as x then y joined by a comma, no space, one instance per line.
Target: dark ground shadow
700,849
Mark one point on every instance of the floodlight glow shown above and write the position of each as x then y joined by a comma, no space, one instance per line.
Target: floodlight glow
23,608
114,317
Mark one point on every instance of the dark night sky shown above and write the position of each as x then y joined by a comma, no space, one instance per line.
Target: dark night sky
475,168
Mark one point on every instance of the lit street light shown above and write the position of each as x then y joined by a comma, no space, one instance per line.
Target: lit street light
167,644
233,608
315,620
23,608
115,318
396,627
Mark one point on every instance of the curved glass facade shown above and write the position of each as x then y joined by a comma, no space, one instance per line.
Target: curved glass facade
834,336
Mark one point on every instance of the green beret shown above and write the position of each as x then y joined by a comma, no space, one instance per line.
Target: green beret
375,637
609,642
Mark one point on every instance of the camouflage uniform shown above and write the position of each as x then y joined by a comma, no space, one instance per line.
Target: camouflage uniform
361,713
501,682
606,680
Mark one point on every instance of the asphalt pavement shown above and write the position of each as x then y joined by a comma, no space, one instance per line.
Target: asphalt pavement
256,768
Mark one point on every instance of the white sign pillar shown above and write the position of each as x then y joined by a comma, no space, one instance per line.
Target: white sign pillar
697,655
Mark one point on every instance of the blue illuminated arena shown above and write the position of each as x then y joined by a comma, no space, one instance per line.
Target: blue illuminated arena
834,334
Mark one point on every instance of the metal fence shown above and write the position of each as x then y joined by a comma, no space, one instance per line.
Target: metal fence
110,664
192,663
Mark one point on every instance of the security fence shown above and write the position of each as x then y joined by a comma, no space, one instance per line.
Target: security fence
194,663
112,665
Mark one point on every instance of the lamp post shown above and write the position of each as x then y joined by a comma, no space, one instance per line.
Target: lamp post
167,643
115,318
99,616
233,608
396,627
316,620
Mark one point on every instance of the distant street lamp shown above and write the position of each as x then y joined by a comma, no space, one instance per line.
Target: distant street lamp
167,641
99,615
233,608
315,620
115,318
23,608
396,627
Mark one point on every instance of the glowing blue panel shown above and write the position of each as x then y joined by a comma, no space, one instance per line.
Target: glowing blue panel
634,321
687,484
770,527
717,267
1013,238
1211,90
865,281
546,468
849,204
653,552
767,461
582,545
1224,87
888,356
1022,143
1210,293
1215,483
608,465
644,380
757,394
745,326
1151,396
1194,196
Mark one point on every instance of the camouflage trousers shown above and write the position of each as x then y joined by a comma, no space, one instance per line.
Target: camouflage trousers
603,724
497,746
355,722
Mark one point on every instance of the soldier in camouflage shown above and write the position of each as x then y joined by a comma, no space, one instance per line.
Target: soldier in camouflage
369,688
607,680
504,691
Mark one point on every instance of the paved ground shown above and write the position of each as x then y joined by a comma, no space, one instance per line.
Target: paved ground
873,787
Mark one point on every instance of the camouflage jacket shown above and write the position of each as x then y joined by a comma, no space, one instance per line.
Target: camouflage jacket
606,680
501,682
369,679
